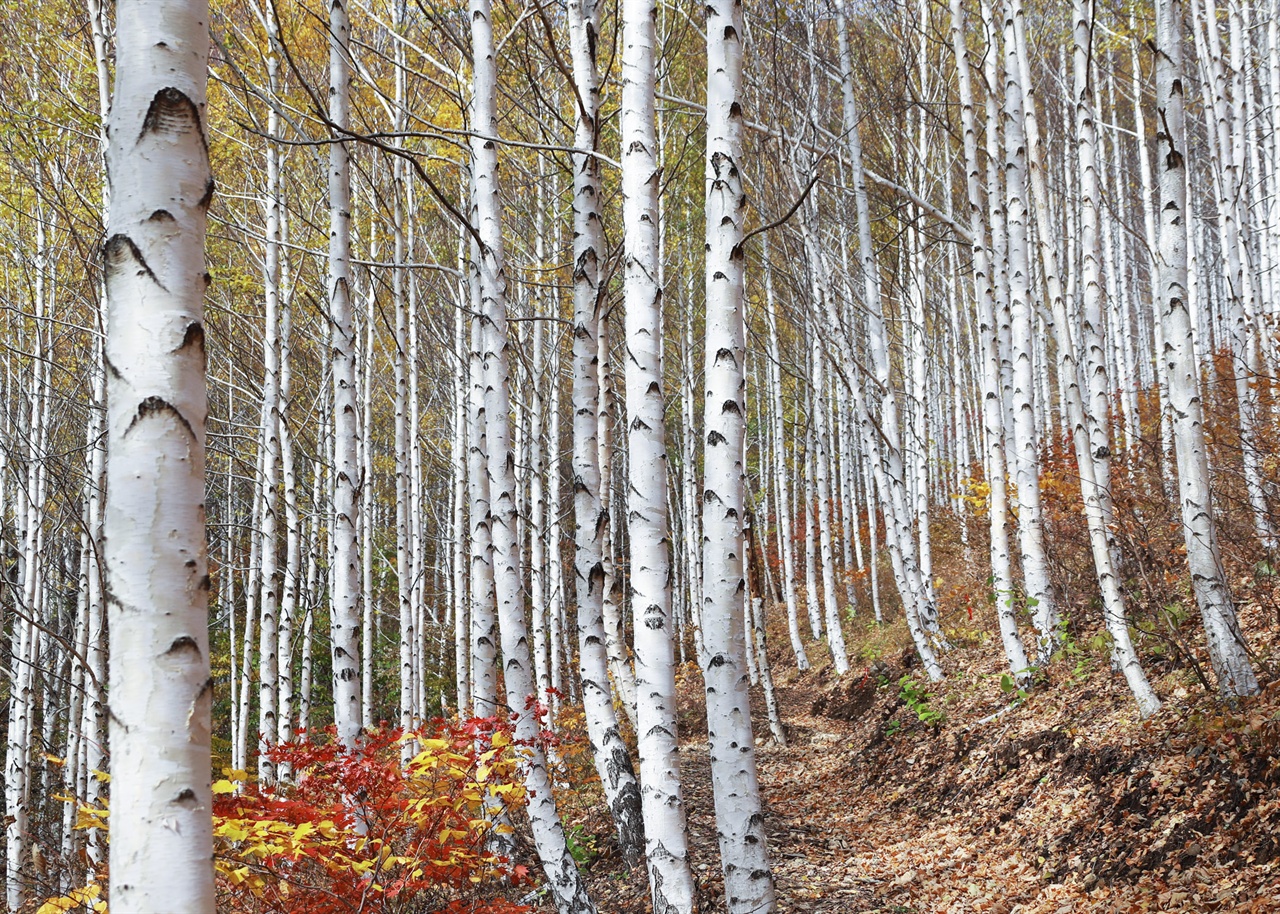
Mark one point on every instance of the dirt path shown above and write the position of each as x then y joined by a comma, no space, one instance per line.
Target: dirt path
1060,804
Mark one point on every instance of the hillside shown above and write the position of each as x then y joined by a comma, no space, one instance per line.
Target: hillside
1063,802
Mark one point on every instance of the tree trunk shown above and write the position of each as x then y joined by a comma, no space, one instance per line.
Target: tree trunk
156,568
567,885
591,519
344,622
671,884
744,850
1227,649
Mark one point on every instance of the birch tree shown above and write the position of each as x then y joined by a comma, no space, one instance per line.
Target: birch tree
671,883
1025,457
156,566
1227,650
744,850
590,517
344,624
992,411
567,886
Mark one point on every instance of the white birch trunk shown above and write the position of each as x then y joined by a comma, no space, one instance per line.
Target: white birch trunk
1026,456
344,611
1094,472
555,598
811,529
620,671
786,540
992,411
1227,649
591,519
156,567
567,885
539,572
744,850
671,885
366,500
407,554
883,444
292,577
483,603
269,424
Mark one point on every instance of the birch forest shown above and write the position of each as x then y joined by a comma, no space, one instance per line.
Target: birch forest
640,458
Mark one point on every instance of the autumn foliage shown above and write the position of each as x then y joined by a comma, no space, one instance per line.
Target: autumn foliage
354,832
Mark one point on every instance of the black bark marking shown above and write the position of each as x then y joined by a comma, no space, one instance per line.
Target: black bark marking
161,215
172,112
154,405
715,438
209,189
186,799
117,253
194,335
183,644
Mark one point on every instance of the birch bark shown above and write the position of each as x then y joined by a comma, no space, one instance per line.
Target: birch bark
567,885
671,884
743,845
992,411
156,565
344,623
1227,650
1026,456
591,519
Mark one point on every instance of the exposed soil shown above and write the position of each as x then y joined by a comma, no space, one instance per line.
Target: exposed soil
1058,803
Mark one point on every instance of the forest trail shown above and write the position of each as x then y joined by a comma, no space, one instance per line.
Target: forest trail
1062,803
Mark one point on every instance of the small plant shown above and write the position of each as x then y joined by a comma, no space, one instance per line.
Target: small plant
582,845
1009,684
917,699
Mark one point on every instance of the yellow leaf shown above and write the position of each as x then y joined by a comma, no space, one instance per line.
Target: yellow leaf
224,787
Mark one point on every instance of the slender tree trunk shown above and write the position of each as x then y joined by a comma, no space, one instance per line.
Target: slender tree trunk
156,567
268,627
591,519
786,544
344,609
567,885
671,884
1227,649
883,444
1026,456
993,412
620,671
1094,473
743,845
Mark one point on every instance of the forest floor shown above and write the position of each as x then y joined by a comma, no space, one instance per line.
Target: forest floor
897,795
